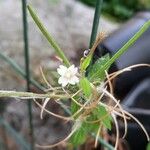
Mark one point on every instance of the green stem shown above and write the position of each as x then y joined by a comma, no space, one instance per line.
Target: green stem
104,143
53,43
96,21
29,95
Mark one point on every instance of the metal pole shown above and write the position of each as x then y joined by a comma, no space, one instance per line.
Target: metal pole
27,69
96,21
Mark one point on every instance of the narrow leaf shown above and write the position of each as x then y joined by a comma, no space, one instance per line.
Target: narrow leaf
86,87
53,43
94,72
126,46
85,63
74,107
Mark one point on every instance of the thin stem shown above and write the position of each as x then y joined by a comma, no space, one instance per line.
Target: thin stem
96,21
20,71
104,143
29,95
27,69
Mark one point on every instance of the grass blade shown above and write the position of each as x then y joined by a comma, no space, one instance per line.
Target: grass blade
53,43
126,46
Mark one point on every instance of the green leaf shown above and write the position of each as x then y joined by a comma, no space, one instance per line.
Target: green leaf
74,107
125,47
79,137
85,63
95,70
53,43
86,87
91,127
148,146
102,113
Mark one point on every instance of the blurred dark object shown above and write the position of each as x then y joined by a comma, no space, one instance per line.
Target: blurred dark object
121,10
3,104
137,102
133,87
137,54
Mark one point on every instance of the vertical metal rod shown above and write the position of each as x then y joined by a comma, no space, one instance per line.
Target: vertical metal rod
27,69
3,134
96,21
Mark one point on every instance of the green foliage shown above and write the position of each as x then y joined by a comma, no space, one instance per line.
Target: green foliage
101,113
106,62
148,146
95,70
91,128
91,117
121,9
74,107
79,137
86,87
85,63
81,134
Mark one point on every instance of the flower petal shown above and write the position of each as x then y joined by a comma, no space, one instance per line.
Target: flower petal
73,69
64,84
62,70
74,80
63,81
67,75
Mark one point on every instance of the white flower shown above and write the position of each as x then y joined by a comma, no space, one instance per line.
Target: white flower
68,75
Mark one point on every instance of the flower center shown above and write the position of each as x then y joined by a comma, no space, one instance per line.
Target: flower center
68,75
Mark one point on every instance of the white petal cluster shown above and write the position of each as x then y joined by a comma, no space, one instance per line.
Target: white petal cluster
67,75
